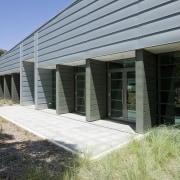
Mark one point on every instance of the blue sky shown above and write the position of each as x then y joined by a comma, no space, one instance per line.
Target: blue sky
19,18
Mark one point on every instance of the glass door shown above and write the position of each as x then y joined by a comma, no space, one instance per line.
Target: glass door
122,94
130,90
80,90
116,95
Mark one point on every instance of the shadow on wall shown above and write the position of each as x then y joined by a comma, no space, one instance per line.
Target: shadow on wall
29,77
45,88
98,70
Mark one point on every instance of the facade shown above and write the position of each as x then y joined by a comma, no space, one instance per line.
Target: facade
116,59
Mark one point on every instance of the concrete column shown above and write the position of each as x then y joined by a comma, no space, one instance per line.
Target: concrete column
95,90
145,90
1,87
15,88
7,87
65,89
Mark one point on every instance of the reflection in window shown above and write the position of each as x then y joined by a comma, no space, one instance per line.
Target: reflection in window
169,88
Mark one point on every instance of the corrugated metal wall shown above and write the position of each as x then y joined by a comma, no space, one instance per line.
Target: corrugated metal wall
9,63
90,28
27,83
44,88
28,48
159,22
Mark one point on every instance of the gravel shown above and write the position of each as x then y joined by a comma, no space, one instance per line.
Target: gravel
20,149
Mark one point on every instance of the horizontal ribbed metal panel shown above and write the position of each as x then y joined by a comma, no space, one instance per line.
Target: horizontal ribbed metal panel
28,48
9,63
90,28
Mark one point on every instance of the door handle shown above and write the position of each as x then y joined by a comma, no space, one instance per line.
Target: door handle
125,97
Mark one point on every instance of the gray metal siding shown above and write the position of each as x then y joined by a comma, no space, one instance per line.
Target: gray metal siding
159,22
9,63
87,29
27,80
44,89
28,48
95,90
65,91
93,27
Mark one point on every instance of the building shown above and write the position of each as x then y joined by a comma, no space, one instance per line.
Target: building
113,59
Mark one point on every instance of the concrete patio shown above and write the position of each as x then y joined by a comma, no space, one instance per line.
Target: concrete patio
71,131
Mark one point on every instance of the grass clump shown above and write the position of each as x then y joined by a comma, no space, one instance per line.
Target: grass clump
1,127
157,156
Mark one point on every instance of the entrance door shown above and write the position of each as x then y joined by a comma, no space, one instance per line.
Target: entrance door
80,93
122,95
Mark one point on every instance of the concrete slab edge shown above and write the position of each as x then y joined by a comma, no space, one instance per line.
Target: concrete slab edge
41,136
101,155
96,157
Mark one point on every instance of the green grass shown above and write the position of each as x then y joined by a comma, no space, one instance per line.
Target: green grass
1,127
155,157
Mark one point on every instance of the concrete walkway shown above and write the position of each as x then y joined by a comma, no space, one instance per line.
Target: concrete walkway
71,131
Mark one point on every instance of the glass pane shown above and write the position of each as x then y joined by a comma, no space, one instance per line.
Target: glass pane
167,97
80,93
81,109
168,71
117,75
131,98
131,85
81,77
116,114
80,85
168,120
116,84
131,75
116,94
123,63
131,115
80,101
167,110
168,84
116,105
80,69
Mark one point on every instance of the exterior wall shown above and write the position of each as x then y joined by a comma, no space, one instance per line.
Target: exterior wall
28,48
65,90
93,28
9,62
27,83
95,90
16,88
145,90
44,89
7,87
87,29
1,87
158,22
